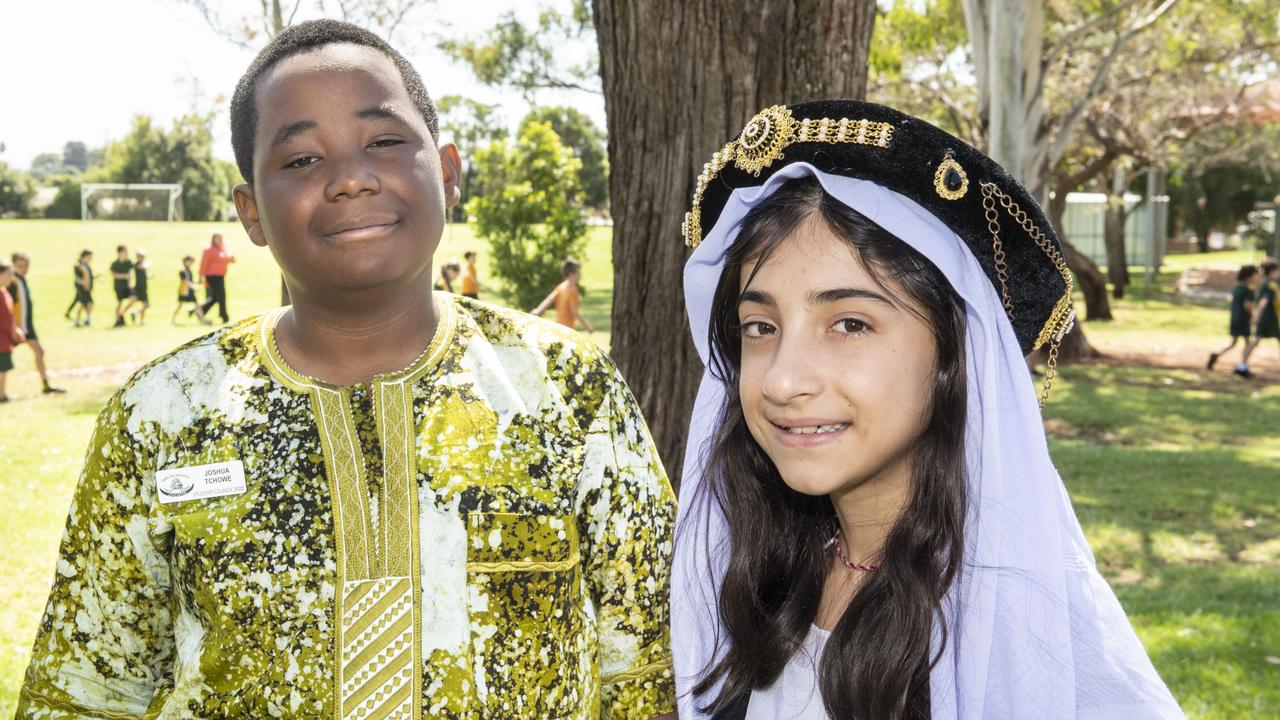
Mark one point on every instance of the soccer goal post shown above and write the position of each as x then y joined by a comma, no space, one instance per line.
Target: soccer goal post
131,201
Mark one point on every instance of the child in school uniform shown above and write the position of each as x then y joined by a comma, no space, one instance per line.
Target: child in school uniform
1240,325
187,293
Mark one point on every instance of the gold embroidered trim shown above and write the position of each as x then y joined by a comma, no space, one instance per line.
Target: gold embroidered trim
637,673
269,351
763,141
524,565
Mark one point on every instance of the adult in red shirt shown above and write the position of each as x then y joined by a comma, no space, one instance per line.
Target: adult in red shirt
213,270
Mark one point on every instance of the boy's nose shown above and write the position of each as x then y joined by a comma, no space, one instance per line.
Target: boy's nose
351,178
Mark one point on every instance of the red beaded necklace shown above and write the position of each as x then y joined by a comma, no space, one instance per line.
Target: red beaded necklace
844,559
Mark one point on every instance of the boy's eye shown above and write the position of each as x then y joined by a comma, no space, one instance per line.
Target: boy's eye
851,326
757,329
386,142
302,162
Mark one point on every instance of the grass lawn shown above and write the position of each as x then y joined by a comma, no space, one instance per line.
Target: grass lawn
1174,472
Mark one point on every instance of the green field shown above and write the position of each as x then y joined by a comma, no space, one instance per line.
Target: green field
1175,472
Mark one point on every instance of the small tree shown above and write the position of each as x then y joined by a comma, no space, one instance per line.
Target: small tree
532,214
16,190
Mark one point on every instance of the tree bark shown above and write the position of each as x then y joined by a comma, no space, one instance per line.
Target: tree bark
1113,237
681,78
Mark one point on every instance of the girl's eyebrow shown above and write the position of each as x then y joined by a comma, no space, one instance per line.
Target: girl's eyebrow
845,293
817,297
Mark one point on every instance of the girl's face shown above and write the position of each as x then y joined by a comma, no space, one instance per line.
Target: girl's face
836,371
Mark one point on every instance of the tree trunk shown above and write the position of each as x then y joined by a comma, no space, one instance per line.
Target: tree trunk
1113,237
681,78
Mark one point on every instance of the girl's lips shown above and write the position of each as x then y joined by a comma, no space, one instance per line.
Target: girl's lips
814,434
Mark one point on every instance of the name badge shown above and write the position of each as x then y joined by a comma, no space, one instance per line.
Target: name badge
199,482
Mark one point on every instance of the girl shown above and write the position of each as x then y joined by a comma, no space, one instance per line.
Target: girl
870,524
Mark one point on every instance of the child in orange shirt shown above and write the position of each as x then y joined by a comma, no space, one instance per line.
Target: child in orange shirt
567,300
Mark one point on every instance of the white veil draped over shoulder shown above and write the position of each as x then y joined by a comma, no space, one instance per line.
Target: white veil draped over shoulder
1034,630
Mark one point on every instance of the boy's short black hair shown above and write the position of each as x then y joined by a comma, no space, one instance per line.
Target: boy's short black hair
570,266
188,258
18,257
1246,272
312,35
1269,266
85,253
122,248
470,254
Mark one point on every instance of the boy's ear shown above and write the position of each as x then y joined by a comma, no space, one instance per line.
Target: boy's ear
451,172
247,209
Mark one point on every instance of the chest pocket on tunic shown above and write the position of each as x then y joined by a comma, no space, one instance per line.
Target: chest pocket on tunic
527,626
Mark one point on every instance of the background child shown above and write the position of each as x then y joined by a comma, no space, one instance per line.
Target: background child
1247,281
140,296
1265,315
567,299
187,293
10,333
122,275
24,317
470,278
448,273
83,301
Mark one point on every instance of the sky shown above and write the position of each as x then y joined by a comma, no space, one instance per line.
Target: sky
82,69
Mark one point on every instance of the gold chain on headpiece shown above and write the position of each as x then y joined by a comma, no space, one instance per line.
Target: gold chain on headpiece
1063,315
763,141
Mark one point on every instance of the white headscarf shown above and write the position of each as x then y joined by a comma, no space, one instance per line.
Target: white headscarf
1035,630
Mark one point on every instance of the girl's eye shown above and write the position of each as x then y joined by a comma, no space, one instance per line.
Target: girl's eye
757,329
302,162
851,326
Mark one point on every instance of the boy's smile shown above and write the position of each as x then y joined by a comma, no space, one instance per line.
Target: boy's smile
349,188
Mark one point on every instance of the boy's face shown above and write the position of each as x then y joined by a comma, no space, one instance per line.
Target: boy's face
123,254
349,188
20,266
1254,281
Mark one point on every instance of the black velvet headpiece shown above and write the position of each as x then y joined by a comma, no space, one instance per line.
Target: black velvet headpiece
991,212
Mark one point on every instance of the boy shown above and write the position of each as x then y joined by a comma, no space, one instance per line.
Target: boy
375,503
187,293
24,312
470,279
1247,281
140,294
10,333
83,302
566,298
122,274
1265,315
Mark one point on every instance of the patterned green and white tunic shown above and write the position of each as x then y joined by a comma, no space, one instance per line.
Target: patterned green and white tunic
483,535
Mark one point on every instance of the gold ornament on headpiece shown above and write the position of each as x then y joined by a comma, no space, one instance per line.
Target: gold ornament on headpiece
1063,316
762,143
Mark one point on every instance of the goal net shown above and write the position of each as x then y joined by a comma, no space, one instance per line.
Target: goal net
131,201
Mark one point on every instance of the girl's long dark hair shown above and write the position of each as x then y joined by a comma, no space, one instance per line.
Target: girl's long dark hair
876,663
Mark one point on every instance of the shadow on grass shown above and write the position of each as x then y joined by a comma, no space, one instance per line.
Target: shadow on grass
1175,478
